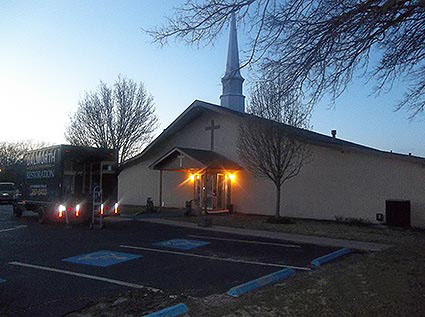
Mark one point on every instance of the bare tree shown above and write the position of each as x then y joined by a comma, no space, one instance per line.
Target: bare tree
13,152
121,117
268,141
317,45
11,159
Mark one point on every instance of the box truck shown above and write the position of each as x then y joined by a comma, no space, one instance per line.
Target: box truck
72,184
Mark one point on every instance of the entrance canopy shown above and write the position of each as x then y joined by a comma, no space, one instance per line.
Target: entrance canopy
183,159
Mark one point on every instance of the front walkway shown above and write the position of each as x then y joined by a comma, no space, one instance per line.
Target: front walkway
298,238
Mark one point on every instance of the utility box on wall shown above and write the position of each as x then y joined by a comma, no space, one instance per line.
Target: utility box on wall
397,213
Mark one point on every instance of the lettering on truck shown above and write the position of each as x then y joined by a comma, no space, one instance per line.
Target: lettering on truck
41,174
41,157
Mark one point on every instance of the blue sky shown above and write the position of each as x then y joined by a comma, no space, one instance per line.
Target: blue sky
53,51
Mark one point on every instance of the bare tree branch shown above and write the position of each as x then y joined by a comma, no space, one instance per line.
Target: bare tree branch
121,117
315,46
11,159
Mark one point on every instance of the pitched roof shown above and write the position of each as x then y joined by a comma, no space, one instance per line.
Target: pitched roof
207,159
198,107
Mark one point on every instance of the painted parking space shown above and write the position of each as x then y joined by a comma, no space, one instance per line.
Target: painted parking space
102,258
260,249
229,259
92,263
181,244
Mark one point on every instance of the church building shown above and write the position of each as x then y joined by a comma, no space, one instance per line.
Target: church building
195,158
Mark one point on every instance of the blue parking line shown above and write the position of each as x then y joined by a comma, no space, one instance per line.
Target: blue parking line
260,282
172,311
329,257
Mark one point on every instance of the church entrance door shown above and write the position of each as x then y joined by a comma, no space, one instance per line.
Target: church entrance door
215,190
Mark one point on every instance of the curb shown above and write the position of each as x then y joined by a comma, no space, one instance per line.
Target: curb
260,282
171,311
329,257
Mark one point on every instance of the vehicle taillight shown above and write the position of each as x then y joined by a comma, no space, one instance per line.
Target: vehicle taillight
101,209
116,208
77,210
61,210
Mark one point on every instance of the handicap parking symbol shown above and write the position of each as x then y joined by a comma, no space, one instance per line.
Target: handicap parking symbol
181,244
102,258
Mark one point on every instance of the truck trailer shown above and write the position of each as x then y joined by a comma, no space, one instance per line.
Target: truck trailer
72,184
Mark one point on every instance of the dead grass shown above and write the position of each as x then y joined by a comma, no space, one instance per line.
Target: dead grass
328,229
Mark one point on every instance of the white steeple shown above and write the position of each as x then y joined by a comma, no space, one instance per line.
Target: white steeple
232,81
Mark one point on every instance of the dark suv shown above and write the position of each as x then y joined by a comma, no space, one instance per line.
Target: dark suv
7,193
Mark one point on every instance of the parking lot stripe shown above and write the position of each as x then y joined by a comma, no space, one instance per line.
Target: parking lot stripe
14,228
92,277
248,241
217,258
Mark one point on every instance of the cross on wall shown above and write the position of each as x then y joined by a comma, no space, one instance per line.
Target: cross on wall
181,157
211,128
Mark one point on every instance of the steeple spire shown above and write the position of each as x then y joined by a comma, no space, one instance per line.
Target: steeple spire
232,80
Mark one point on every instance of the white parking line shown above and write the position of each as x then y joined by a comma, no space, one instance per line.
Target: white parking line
217,258
248,241
15,228
92,277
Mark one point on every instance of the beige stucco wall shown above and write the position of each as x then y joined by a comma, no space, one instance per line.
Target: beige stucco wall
340,184
349,184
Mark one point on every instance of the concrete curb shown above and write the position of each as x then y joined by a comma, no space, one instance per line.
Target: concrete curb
260,282
329,257
297,238
171,311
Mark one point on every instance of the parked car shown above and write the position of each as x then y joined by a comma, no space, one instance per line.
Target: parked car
7,193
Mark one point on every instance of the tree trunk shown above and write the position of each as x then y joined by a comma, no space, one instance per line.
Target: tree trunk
277,211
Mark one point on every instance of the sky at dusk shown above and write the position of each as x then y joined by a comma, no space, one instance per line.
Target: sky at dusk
53,51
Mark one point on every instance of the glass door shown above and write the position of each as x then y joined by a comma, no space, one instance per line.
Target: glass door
221,191
211,191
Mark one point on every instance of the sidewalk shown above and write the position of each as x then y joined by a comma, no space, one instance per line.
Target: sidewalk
298,238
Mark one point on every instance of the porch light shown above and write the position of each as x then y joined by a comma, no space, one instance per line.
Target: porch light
192,177
231,176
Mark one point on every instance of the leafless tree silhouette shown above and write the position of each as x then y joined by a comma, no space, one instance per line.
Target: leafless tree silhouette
11,159
317,45
13,152
121,117
271,148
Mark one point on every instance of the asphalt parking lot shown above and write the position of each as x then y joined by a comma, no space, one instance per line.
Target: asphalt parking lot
52,270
